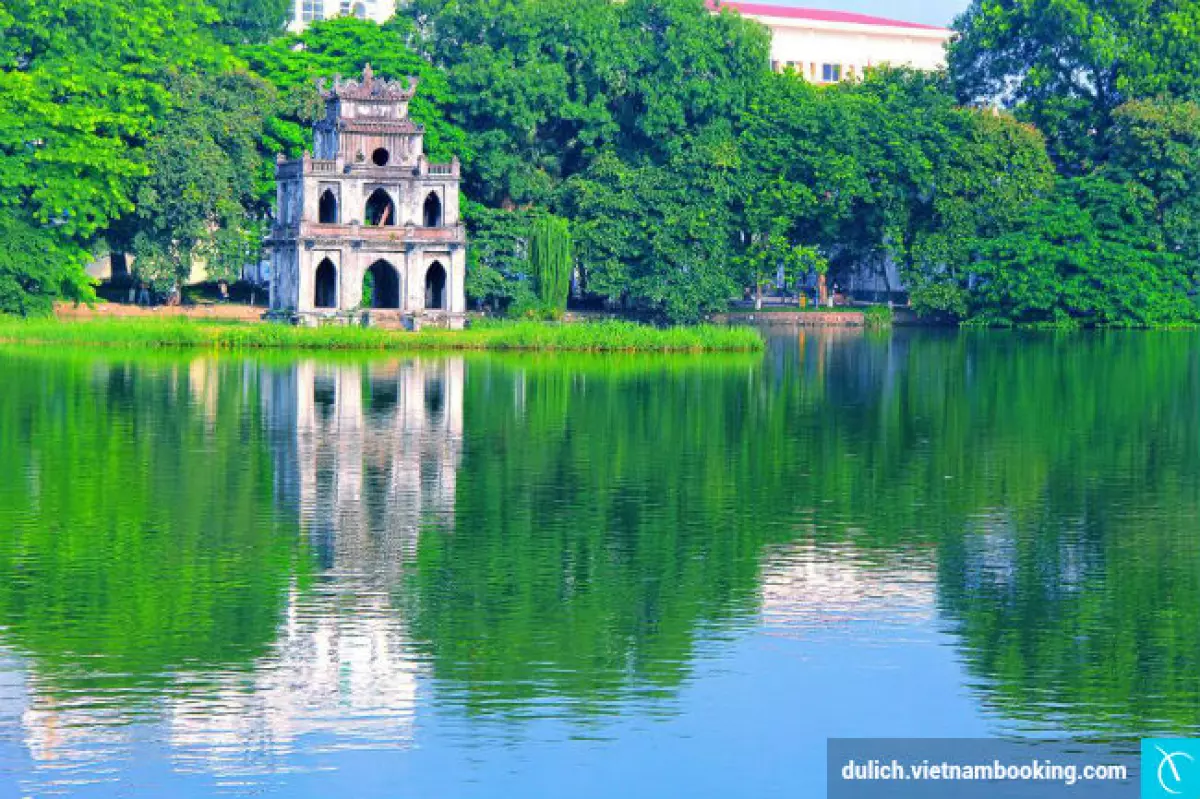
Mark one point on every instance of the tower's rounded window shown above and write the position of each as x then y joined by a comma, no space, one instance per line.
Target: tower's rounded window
380,157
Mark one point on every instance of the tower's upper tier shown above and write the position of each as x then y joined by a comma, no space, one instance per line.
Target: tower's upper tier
366,121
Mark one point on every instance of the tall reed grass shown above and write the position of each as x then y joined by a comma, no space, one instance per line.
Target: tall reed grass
609,336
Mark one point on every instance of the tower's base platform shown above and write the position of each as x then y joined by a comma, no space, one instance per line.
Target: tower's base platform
373,317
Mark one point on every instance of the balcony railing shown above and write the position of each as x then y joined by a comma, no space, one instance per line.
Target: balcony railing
308,165
397,233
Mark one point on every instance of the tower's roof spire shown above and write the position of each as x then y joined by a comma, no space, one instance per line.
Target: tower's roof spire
369,88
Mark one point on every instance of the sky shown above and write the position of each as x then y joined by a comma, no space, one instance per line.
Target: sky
930,12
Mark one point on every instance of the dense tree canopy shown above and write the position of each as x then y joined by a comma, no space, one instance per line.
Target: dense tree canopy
201,201
1090,251
1068,65
617,115
248,21
343,46
1156,143
37,267
686,169
81,89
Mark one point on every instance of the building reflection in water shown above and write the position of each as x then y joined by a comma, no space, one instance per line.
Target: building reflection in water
365,455
808,586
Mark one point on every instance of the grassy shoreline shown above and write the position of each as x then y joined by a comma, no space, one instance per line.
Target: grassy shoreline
517,336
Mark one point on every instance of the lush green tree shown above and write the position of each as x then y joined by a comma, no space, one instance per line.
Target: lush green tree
1084,72
248,21
650,242
37,267
552,261
498,256
530,82
988,170
850,169
343,46
82,86
1068,65
1157,144
1091,252
545,87
586,108
880,141
610,225
694,69
790,197
201,203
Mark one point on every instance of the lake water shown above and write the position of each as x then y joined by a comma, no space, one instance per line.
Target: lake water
544,576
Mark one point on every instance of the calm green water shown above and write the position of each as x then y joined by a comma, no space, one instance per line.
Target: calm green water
578,576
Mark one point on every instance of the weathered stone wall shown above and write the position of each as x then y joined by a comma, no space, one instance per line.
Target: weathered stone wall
812,318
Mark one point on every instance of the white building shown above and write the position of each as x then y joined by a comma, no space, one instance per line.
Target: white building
305,12
823,46
828,46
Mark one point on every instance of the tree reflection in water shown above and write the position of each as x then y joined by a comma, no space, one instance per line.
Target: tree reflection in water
252,553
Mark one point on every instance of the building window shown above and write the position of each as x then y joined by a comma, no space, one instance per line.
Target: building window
831,73
312,10
348,8
327,210
433,210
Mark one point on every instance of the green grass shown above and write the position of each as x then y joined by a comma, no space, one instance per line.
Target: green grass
524,336
879,316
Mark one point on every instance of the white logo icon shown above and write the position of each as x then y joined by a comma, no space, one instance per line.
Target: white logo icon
1168,760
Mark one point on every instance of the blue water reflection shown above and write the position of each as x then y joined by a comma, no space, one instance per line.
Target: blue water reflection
504,576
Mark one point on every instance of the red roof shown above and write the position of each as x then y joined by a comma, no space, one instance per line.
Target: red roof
817,15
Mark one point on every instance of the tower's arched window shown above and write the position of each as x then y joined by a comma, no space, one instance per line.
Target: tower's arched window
435,287
380,209
325,288
328,208
433,210
384,284
380,157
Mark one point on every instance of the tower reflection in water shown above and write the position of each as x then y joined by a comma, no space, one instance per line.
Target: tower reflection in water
365,456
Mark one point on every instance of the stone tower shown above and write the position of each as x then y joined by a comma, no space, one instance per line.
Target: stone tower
366,228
